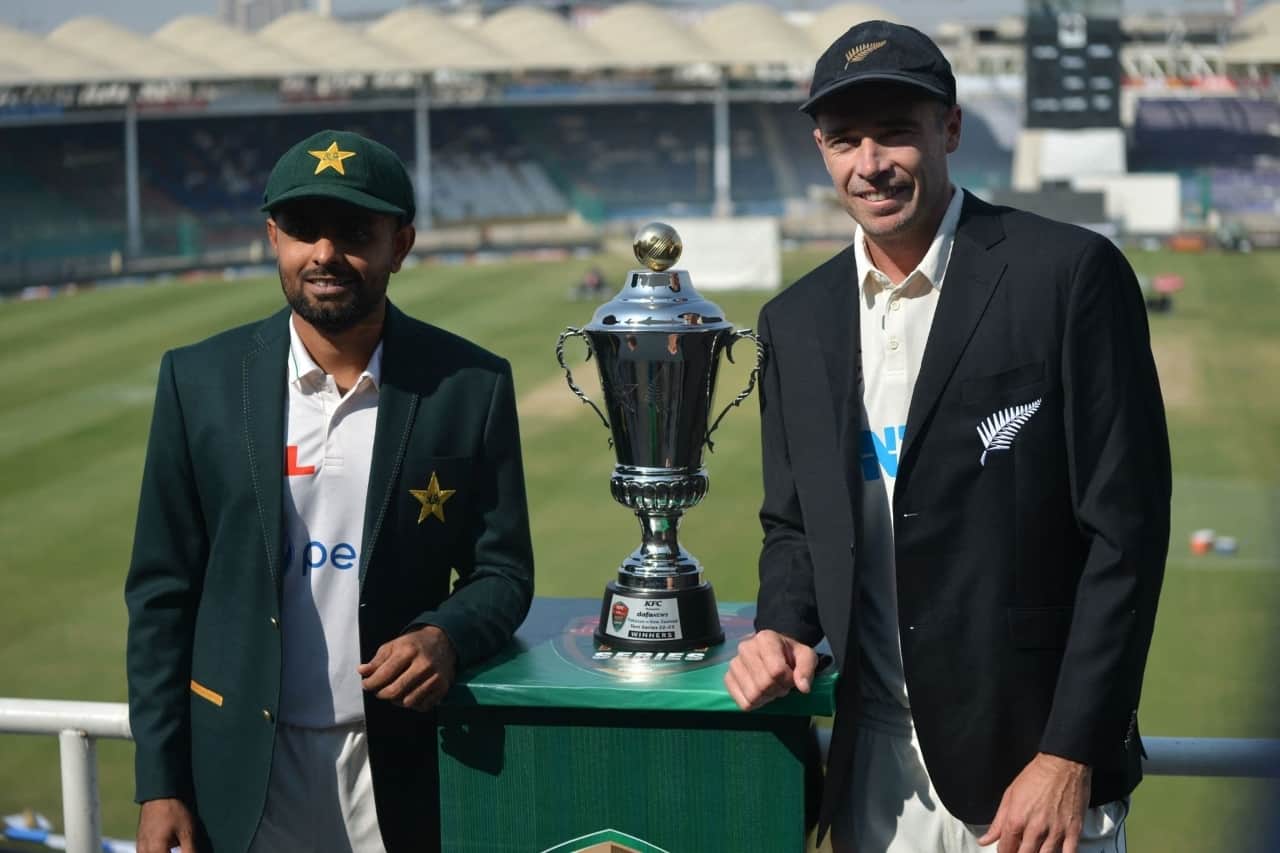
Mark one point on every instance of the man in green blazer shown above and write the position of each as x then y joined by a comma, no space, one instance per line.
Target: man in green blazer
311,482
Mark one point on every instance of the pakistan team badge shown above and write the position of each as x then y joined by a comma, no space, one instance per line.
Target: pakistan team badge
619,615
331,158
432,499
606,841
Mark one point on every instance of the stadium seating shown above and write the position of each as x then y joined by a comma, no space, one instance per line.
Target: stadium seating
202,177
1181,134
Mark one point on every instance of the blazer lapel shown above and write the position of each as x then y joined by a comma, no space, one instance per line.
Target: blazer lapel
836,321
971,278
263,395
397,407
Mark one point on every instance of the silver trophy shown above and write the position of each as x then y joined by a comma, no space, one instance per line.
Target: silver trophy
657,345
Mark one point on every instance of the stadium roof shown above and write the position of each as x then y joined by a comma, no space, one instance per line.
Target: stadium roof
535,39
833,21
227,47
1260,42
31,59
333,47
435,42
138,57
519,38
752,34
643,36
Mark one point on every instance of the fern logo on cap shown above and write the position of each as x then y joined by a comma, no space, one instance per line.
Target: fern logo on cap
862,51
880,53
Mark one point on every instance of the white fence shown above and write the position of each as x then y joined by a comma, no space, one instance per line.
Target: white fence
78,725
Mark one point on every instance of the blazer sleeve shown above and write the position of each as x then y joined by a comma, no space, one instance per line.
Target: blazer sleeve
1117,449
495,579
786,602
162,590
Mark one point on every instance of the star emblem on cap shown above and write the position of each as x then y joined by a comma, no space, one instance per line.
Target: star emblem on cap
331,158
432,499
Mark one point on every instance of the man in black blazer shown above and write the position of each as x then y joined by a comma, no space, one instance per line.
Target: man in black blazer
966,475
312,482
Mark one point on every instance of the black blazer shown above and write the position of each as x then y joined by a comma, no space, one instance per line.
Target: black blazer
1028,579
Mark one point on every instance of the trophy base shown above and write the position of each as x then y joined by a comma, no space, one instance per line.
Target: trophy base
659,620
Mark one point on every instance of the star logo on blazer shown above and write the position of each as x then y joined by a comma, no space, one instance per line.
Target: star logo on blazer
999,429
432,499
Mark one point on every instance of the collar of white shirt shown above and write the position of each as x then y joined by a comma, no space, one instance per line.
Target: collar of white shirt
932,267
303,367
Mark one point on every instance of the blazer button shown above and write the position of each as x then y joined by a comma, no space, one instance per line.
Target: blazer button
266,714
275,623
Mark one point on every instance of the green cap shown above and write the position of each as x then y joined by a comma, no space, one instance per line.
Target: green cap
345,166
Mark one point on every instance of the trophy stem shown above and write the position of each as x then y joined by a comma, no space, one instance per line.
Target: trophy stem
659,545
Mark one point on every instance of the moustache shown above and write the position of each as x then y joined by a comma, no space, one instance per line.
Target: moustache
346,278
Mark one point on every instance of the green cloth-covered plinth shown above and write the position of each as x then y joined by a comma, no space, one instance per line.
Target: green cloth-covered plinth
558,745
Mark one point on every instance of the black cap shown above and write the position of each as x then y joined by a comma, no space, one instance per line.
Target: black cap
881,52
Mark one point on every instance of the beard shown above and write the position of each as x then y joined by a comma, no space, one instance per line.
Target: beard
357,302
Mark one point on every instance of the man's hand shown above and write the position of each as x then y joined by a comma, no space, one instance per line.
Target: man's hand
1043,810
768,665
415,670
165,824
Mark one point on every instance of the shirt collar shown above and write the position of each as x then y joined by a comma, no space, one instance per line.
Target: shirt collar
932,267
303,367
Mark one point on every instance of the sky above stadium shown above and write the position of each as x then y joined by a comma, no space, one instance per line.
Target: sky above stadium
41,16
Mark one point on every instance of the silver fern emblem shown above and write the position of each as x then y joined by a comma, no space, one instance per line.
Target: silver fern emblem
998,430
859,52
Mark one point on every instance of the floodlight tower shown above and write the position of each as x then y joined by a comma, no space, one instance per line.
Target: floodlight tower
1072,124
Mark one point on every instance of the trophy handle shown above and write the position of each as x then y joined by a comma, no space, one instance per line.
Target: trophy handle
751,380
571,332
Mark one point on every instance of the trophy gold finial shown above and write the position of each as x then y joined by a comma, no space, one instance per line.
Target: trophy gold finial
657,246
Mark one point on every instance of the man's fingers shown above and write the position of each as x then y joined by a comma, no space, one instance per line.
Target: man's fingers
1009,842
426,695
165,824
804,665
413,675
749,695
385,673
992,834
996,829
379,657
769,665
1036,837
735,688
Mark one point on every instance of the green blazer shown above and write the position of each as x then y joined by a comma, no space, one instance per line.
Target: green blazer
203,591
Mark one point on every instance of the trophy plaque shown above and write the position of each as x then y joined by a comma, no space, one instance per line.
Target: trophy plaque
657,347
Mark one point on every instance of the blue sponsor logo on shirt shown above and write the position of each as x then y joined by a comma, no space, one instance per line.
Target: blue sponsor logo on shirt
880,452
317,555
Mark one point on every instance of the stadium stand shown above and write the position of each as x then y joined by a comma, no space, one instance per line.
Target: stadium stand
537,119
1226,150
1188,133
202,177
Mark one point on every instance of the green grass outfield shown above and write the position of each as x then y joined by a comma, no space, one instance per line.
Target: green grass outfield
75,401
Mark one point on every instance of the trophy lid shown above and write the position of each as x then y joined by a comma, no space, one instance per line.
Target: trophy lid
658,298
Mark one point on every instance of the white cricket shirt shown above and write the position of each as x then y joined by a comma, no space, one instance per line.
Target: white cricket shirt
894,320
328,449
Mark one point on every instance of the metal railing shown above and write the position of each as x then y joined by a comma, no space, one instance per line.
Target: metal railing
78,726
